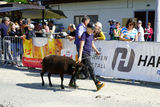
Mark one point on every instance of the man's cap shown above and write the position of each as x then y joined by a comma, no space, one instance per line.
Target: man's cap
91,25
31,26
139,22
110,20
113,20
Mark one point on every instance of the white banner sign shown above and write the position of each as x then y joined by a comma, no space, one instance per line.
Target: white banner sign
126,60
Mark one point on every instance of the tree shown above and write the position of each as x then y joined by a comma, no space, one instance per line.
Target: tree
22,1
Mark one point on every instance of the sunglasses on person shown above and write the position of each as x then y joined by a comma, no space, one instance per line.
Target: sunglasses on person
130,24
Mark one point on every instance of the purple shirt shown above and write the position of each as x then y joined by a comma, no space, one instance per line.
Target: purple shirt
87,42
4,30
81,28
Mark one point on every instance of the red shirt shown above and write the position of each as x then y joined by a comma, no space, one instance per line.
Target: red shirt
149,31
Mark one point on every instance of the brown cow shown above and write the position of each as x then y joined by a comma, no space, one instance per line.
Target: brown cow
54,64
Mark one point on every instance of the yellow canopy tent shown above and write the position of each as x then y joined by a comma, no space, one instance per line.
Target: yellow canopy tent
32,11
38,14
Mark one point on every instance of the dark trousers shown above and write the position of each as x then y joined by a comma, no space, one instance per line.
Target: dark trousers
86,60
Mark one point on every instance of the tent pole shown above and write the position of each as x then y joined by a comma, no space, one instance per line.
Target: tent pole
43,15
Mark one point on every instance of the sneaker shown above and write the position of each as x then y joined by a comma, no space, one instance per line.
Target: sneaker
73,85
99,85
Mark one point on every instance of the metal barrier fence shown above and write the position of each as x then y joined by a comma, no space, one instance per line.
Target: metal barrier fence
0,49
12,50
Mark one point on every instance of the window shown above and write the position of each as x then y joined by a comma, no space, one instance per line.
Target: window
78,19
93,18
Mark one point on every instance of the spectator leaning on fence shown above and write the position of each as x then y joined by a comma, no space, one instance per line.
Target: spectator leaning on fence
52,27
4,26
129,33
16,44
98,34
140,31
72,32
31,32
24,27
45,27
148,37
117,31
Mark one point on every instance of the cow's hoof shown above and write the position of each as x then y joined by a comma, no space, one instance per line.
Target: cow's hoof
42,84
62,87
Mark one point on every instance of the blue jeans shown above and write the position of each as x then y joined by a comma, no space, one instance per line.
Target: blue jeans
17,49
149,39
6,51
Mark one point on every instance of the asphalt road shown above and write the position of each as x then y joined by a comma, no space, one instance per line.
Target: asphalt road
22,88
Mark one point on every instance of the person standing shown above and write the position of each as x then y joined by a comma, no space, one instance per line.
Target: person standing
81,28
86,44
31,32
98,34
51,26
16,44
45,27
129,33
112,26
4,26
148,37
117,31
72,32
140,31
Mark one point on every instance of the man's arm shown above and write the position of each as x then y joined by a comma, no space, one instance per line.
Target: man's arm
80,31
95,49
80,51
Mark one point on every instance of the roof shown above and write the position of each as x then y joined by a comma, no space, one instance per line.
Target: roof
32,11
65,1
15,7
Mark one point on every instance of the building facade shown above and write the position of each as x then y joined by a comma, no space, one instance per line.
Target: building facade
103,10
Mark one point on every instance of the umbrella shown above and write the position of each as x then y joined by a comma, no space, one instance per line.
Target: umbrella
38,14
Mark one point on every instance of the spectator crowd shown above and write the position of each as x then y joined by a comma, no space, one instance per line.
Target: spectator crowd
26,28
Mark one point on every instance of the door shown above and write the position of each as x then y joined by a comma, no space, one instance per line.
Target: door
145,17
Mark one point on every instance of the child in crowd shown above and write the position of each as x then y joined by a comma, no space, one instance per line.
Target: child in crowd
117,31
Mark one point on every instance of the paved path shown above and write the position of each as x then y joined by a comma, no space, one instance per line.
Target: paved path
22,88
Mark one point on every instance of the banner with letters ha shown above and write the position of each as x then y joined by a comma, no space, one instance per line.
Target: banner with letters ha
128,60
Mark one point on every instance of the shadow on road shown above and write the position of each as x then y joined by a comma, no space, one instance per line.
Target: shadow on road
55,87
39,86
36,73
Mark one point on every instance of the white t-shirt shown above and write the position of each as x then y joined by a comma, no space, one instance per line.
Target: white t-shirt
141,31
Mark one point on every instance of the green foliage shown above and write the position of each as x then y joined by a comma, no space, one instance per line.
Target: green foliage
22,1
